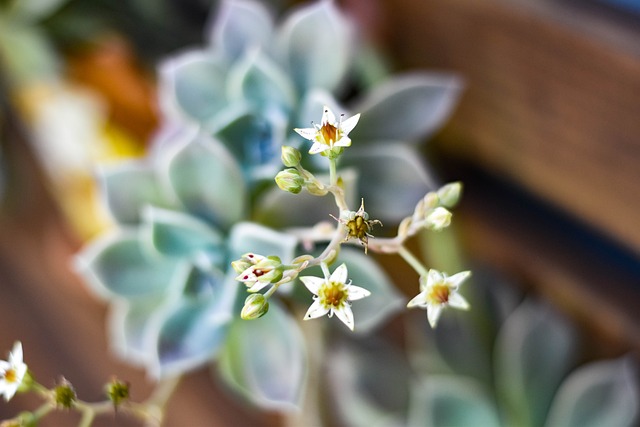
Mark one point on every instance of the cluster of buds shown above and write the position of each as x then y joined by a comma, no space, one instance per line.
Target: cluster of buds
258,272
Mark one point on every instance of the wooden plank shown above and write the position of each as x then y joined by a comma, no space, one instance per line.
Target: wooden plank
552,99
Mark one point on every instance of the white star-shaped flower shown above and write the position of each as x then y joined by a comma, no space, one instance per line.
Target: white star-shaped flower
330,133
439,291
12,372
333,294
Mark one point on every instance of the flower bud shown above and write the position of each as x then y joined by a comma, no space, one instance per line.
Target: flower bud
449,194
255,306
64,394
240,265
290,156
431,200
438,219
290,180
316,190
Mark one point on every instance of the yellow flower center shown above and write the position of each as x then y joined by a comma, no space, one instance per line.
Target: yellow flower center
10,376
439,294
333,294
329,134
358,227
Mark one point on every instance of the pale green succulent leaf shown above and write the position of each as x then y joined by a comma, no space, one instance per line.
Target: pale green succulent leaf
408,108
265,360
315,43
534,350
32,11
195,329
128,187
453,401
256,79
368,383
27,54
603,393
174,233
192,85
392,179
251,237
240,25
208,181
117,264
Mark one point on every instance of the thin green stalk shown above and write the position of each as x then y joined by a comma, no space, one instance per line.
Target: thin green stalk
412,261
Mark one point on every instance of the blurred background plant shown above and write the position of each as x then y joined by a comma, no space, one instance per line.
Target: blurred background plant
179,211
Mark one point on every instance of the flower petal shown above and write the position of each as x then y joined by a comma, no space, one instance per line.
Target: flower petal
457,279
348,125
307,133
345,314
315,310
327,116
312,283
419,300
457,301
433,314
15,357
356,293
340,274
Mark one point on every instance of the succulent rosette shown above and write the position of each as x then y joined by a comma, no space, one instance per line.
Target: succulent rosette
205,194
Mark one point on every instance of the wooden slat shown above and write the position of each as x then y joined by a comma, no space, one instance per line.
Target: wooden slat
552,99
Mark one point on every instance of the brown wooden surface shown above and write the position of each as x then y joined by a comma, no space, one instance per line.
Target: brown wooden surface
552,99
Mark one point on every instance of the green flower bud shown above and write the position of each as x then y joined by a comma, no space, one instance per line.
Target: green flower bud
255,306
290,156
431,200
449,194
64,394
240,265
438,219
316,190
290,180
117,391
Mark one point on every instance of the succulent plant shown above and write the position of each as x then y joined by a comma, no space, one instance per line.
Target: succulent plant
190,208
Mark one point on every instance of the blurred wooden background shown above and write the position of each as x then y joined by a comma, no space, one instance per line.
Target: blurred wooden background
546,139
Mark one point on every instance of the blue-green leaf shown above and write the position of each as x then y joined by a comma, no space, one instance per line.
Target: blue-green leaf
265,360
175,233
192,85
598,394
240,25
369,382
208,181
251,237
392,179
451,401
195,329
117,265
533,352
259,81
130,186
406,108
315,43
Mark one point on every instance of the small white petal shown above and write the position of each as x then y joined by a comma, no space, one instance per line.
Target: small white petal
4,365
340,274
307,133
457,301
356,293
419,300
318,147
312,283
345,141
457,279
345,314
257,286
15,357
316,310
423,283
247,276
328,116
433,313
434,277
349,124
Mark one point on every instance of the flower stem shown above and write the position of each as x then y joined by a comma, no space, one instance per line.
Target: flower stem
412,261
333,176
